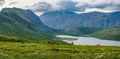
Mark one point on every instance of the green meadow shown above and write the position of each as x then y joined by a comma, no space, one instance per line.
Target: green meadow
20,50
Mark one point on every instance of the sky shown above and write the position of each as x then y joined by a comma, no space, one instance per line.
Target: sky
41,6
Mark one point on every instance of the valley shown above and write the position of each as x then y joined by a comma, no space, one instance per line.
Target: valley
24,35
94,24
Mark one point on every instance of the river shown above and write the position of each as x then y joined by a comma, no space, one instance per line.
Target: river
88,41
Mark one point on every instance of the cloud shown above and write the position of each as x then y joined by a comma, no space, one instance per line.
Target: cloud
110,5
76,5
13,3
2,2
61,5
17,3
41,7
67,5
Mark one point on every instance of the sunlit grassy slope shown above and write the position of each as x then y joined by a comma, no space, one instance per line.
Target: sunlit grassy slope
10,50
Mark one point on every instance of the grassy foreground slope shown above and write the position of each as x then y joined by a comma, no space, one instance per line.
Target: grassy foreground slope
10,50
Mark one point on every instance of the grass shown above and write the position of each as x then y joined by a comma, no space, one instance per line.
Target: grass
108,34
15,50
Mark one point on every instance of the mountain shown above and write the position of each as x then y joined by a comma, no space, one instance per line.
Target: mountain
109,34
69,20
23,23
95,24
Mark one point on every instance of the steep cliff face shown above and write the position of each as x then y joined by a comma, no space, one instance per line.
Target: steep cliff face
70,20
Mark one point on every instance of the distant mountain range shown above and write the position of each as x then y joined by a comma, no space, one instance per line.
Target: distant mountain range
23,23
69,20
95,24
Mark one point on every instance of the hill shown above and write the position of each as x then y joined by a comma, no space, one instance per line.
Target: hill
109,34
80,31
23,24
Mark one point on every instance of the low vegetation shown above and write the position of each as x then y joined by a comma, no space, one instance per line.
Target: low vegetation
13,50
108,34
102,33
81,31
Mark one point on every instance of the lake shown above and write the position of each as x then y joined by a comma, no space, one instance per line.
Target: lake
88,41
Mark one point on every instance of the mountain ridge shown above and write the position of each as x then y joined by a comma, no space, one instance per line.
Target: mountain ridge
25,24
62,20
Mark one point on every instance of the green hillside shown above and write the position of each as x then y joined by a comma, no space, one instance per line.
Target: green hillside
109,34
81,31
102,33
23,24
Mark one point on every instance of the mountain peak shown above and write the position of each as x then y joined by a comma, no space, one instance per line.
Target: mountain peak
11,9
